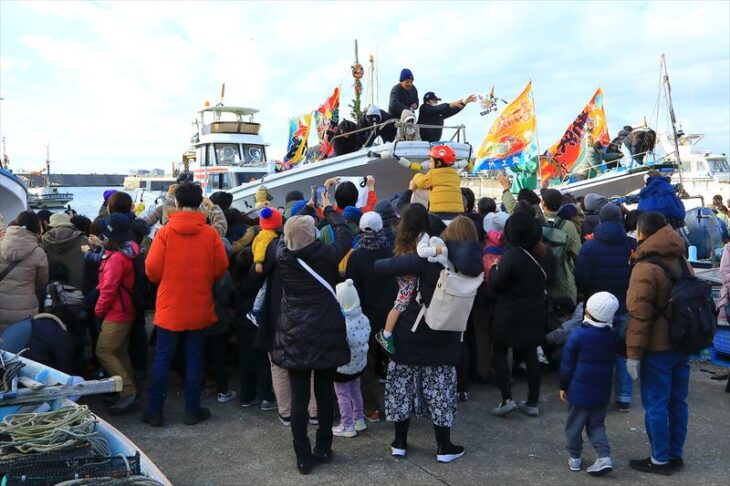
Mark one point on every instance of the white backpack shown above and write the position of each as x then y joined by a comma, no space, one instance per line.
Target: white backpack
451,303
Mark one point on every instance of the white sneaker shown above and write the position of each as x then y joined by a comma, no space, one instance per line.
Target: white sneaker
360,425
603,465
226,397
504,408
575,463
342,431
541,358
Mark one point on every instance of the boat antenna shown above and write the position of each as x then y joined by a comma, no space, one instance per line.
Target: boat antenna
5,164
371,80
223,93
676,133
48,165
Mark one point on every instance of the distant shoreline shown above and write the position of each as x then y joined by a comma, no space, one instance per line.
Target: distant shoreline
79,180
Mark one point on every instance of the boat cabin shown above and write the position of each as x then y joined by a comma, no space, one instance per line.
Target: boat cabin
229,150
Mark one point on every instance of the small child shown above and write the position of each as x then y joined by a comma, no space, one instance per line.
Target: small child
347,380
432,248
270,221
586,375
443,182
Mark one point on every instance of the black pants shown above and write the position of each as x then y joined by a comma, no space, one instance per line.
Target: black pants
138,343
323,386
218,348
254,369
502,371
372,390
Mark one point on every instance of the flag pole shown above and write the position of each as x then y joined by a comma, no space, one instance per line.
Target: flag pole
537,138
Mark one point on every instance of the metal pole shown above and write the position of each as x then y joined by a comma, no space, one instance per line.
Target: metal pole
672,117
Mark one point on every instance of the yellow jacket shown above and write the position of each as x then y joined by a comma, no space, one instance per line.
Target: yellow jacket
444,190
260,243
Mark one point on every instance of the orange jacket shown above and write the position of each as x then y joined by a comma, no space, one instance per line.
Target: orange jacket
186,257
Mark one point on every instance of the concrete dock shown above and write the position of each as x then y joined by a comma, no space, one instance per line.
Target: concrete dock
247,446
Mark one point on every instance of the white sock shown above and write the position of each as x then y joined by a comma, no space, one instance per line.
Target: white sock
658,463
387,334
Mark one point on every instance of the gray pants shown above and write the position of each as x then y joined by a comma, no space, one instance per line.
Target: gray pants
593,422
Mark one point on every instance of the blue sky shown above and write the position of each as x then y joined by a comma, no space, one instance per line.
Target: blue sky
114,86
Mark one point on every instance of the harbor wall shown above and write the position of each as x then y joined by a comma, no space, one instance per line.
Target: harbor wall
81,180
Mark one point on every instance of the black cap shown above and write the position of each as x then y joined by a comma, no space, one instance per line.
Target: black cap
430,96
552,198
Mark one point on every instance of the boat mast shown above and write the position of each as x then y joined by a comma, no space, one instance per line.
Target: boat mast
6,160
672,117
371,80
48,166
357,73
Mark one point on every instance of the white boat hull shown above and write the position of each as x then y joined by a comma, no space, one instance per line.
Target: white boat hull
13,196
390,176
612,184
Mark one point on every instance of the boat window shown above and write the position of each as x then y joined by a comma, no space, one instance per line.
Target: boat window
687,165
254,154
700,166
210,157
227,154
159,185
220,181
719,165
244,177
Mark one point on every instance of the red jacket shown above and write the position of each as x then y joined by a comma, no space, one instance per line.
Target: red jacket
186,257
116,282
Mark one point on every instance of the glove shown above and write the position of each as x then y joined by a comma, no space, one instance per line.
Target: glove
632,366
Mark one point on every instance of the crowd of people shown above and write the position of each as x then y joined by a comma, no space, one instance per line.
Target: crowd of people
318,301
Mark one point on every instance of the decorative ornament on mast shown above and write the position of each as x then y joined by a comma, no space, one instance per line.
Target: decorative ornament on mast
357,72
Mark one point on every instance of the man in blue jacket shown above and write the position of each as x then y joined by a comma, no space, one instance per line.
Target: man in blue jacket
585,382
603,266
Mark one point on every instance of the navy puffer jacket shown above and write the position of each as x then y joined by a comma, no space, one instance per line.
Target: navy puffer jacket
586,369
603,262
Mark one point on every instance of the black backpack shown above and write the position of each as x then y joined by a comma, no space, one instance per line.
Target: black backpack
692,313
143,293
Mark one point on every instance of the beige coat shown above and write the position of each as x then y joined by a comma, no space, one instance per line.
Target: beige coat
18,289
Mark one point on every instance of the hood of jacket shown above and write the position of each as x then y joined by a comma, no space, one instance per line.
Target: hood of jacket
17,243
130,250
665,242
62,238
610,232
353,312
186,222
655,186
466,256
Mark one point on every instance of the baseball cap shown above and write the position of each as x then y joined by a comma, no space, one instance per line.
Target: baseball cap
430,96
553,199
371,221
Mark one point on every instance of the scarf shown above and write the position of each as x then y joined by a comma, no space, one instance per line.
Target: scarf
375,240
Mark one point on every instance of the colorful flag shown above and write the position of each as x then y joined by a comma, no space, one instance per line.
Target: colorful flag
589,127
327,117
511,139
298,134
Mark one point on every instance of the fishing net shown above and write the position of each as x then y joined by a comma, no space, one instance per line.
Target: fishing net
43,472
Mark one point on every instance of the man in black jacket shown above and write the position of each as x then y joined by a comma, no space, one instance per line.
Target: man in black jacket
403,96
433,112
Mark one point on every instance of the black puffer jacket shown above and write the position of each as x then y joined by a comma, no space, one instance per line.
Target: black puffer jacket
377,293
520,318
269,318
426,347
402,99
434,115
311,332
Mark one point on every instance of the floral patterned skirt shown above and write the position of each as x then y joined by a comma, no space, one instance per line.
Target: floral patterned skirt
421,391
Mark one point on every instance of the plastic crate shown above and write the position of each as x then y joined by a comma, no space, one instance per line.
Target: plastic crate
42,473
722,340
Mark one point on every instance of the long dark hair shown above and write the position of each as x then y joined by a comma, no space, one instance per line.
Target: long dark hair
28,220
413,222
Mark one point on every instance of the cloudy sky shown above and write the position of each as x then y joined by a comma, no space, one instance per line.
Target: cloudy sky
114,86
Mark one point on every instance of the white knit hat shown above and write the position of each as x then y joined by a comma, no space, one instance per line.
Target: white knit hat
602,306
347,295
371,221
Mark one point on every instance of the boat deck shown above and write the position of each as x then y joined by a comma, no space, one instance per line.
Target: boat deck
248,446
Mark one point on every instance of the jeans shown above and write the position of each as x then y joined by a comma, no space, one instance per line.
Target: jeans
594,423
622,384
502,372
349,398
664,388
300,383
167,341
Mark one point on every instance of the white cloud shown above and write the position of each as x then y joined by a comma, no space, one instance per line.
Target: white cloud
114,86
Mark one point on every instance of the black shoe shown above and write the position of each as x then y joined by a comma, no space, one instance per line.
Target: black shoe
677,464
322,451
197,417
153,420
305,459
622,407
124,405
399,446
645,465
322,456
447,451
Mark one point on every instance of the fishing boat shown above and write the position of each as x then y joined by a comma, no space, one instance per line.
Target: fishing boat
47,195
51,395
13,192
231,156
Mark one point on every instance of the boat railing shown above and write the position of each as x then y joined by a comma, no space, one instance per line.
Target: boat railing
459,134
631,160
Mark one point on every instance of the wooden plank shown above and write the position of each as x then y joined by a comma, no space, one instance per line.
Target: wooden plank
92,387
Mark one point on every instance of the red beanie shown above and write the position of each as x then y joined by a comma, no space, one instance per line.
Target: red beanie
270,219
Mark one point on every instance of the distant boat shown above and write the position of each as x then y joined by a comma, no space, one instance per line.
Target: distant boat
47,195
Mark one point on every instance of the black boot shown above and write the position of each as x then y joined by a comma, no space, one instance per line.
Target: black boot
400,443
447,451
323,447
305,460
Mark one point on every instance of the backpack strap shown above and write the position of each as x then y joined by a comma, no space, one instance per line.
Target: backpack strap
544,274
9,268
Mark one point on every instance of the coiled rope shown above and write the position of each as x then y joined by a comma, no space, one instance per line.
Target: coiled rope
53,431
128,481
9,370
